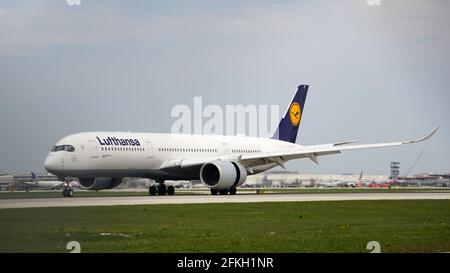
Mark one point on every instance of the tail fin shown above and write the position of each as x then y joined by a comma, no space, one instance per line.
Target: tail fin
288,128
34,176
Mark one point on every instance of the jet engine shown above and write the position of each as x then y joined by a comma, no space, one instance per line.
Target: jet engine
100,183
220,175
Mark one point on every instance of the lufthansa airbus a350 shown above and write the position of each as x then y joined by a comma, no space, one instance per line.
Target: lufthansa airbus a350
100,160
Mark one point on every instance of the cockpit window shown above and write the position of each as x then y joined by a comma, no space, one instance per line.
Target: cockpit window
66,148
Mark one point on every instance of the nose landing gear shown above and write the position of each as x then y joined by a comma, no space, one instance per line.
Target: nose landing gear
67,189
68,192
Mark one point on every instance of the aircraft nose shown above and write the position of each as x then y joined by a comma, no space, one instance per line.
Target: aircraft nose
50,163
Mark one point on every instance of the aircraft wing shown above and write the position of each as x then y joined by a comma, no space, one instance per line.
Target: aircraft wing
281,156
313,151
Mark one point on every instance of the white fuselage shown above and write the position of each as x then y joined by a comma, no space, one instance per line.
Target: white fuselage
155,156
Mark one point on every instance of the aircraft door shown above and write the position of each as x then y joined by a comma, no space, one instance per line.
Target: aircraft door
225,148
93,148
149,148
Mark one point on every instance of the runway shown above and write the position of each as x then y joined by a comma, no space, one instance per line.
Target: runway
208,199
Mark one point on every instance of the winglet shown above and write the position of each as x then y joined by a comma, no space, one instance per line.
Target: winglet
424,138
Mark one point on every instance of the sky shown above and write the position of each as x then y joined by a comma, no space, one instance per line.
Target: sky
376,73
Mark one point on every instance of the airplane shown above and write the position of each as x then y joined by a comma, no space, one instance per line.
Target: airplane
338,184
100,160
374,183
47,185
52,185
332,184
352,183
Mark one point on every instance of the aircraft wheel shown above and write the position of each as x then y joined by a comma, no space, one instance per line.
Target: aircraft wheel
223,192
162,190
213,192
233,191
170,190
70,193
152,190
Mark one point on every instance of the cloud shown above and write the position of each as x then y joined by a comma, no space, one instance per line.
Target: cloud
3,12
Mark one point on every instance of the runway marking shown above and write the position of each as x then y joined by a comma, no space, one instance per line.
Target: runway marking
208,199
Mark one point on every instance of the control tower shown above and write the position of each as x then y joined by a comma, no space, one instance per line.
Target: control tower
395,169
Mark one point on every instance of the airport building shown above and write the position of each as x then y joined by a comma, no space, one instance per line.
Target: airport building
17,181
292,179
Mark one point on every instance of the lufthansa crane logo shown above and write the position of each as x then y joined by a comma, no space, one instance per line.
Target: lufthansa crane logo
295,113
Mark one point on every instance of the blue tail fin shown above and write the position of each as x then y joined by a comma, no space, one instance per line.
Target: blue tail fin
34,176
288,128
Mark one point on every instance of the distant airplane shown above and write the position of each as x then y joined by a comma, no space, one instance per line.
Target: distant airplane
373,183
337,184
100,160
44,185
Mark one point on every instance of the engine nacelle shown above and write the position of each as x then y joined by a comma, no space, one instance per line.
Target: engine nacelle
220,175
100,183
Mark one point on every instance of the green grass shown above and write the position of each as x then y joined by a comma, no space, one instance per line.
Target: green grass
344,226
354,190
107,193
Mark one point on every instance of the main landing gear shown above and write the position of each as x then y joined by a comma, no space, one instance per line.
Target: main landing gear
161,189
231,191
